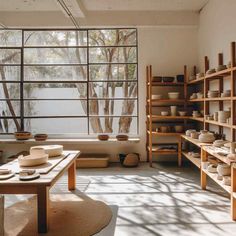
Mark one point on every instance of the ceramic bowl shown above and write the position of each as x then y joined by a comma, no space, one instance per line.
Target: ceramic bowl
212,168
213,94
223,169
157,79
194,135
182,113
199,95
156,96
173,95
206,137
196,155
32,160
22,135
219,143
164,113
211,71
168,79
122,137
40,137
103,137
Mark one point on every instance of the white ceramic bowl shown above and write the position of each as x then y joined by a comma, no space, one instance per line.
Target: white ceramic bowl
164,113
173,95
182,113
51,150
32,160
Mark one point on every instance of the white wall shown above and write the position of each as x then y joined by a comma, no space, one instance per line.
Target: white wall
216,30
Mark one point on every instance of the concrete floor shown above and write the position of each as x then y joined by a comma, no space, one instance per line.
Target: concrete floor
164,200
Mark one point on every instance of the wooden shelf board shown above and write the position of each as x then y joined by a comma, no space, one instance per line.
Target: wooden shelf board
165,134
210,150
168,117
217,123
217,74
195,161
196,100
166,84
196,80
195,141
219,182
218,99
167,100
200,119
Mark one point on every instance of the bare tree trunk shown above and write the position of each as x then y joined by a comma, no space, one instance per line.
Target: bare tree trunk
8,101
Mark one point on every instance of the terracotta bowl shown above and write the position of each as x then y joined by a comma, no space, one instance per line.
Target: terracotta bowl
22,135
40,137
103,137
122,137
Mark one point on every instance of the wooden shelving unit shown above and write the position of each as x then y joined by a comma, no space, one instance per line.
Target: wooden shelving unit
154,118
207,149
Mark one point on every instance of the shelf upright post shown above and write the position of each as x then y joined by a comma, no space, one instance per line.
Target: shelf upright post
150,115
233,194
206,88
147,111
203,174
221,88
233,92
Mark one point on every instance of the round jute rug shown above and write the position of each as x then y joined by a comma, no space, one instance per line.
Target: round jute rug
70,215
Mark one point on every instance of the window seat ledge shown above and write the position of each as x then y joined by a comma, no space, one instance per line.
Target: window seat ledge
69,141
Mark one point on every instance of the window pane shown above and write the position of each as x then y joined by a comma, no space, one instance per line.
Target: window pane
113,89
57,73
57,126
9,91
8,125
55,38
9,56
114,54
9,109
55,108
55,55
113,107
113,125
113,72
55,90
112,37
10,73
10,38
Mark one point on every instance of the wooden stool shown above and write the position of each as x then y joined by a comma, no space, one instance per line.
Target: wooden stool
1,215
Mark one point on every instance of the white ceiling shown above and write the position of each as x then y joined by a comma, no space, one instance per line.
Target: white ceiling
144,5
104,5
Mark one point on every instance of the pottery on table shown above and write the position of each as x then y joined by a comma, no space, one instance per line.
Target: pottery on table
219,143
32,160
206,137
213,94
168,79
194,135
173,110
164,113
156,96
182,113
193,96
103,137
173,95
179,128
189,131
51,150
223,169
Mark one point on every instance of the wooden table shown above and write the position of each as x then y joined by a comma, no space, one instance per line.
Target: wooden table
41,186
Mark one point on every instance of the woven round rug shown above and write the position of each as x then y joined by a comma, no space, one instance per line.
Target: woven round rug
70,215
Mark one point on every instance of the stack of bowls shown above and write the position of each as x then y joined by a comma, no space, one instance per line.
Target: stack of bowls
213,94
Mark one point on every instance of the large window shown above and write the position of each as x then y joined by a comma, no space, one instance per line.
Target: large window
69,81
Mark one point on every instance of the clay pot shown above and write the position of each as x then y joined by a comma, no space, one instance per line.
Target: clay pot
212,168
223,169
223,116
194,135
206,137
189,131
215,116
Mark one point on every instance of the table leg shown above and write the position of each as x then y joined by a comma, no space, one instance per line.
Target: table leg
180,152
43,209
72,176
1,215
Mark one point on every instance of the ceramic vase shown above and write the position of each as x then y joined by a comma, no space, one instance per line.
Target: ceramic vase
173,110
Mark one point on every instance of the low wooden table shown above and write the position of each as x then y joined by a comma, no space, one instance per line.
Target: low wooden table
41,186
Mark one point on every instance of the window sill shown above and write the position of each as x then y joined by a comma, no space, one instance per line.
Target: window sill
69,141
